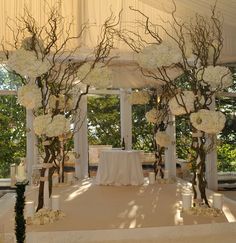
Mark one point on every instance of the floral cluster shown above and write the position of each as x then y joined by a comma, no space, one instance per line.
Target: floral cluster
163,139
217,77
204,210
60,102
51,127
208,121
155,56
45,216
139,98
182,102
26,63
30,96
99,77
155,116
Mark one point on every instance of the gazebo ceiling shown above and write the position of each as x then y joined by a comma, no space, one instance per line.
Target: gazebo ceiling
95,12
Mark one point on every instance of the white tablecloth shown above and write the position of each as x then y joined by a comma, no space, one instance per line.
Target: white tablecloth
120,167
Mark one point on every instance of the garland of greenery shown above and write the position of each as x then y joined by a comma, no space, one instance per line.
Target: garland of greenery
19,211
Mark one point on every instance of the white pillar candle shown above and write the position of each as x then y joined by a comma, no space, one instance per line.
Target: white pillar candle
55,202
29,209
151,176
20,176
166,174
217,200
55,179
69,176
186,200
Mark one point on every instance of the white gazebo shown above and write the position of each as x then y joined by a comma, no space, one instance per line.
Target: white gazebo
125,71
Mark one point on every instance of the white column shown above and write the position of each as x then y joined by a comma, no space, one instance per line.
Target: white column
31,144
211,162
126,118
81,140
170,152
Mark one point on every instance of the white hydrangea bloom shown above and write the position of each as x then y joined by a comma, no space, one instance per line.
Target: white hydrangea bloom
151,115
30,96
217,77
208,121
186,98
41,124
139,98
154,56
26,63
99,77
53,100
58,126
163,139
155,116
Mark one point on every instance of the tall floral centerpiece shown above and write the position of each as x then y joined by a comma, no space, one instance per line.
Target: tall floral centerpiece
54,84
191,52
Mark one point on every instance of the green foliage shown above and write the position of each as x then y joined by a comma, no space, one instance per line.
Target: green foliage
142,131
19,212
226,157
12,133
104,120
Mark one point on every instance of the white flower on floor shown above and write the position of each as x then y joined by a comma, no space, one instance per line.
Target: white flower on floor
217,77
163,139
208,121
154,55
139,97
99,77
30,96
45,216
177,103
26,63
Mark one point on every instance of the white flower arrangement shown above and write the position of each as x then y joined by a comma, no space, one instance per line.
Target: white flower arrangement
151,115
58,126
163,139
154,55
177,103
51,127
45,216
208,121
58,101
217,77
41,124
30,96
139,98
99,77
204,210
155,116
27,64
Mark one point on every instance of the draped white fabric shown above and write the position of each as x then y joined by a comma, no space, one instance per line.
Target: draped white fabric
120,168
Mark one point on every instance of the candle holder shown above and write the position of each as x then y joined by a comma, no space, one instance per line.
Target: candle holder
19,211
